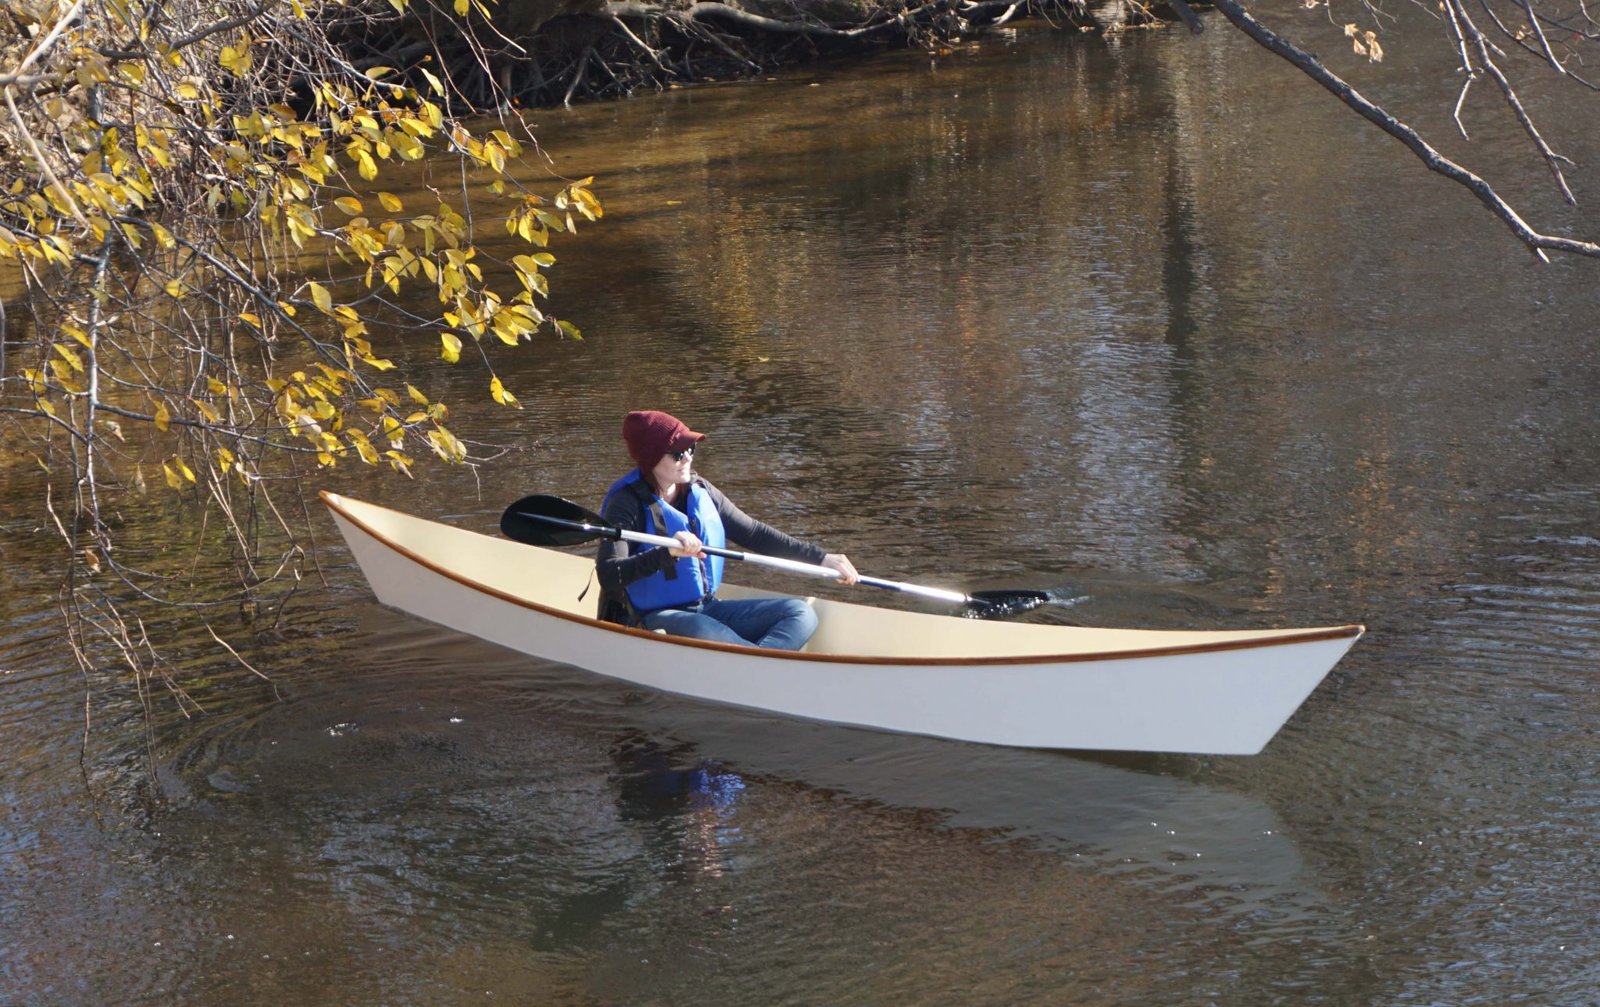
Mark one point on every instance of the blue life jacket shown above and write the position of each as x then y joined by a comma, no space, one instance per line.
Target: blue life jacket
689,580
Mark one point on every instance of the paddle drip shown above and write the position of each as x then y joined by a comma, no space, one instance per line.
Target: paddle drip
1003,604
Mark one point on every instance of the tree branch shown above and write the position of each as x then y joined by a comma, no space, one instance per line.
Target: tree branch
1308,64
1550,157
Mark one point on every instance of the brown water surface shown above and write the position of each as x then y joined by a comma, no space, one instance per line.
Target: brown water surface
1147,321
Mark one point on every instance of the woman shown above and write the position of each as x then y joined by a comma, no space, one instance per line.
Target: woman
675,589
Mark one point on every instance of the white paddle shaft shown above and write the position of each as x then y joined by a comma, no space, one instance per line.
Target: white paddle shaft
795,566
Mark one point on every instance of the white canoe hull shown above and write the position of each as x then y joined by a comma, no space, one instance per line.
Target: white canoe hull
1028,685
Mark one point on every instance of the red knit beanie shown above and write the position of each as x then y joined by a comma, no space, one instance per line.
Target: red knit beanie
651,434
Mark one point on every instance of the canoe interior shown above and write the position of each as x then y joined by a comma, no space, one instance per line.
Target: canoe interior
565,583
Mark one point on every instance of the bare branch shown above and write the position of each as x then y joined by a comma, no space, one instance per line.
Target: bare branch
1537,242
1187,15
45,45
1551,158
1544,43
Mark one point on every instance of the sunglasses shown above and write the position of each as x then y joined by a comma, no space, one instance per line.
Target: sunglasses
679,456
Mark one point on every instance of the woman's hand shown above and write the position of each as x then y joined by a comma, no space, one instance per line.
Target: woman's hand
689,544
840,562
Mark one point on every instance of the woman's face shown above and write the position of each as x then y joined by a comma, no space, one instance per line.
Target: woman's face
671,471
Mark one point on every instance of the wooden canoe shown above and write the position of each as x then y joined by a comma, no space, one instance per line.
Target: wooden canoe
1020,684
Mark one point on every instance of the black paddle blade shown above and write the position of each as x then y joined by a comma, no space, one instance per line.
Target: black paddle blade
551,521
1003,604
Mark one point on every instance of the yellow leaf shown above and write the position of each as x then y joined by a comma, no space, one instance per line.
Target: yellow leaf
205,410
507,329
364,448
407,147
163,419
245,316
236,58
63,374
321,298
217,387
451,351
349,204
390,201
172,477
497,391
462,6
446,445
416,396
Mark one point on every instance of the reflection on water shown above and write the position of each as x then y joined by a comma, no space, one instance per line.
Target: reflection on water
448,799
1145,324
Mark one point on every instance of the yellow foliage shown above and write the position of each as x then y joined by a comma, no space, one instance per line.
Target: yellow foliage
451,351
497,391
236,58
321,298
208,136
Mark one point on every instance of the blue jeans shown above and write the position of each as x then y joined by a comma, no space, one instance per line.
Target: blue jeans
780,623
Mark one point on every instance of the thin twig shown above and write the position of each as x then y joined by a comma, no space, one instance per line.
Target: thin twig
1551,158
248,666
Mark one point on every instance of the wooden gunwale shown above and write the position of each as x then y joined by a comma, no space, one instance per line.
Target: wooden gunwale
333,502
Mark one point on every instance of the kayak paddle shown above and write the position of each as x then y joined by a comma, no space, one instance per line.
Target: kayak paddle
551,521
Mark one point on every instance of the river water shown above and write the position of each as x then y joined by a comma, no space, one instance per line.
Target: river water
1146,320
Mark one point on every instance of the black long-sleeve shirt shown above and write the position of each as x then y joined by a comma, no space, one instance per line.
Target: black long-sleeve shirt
619,566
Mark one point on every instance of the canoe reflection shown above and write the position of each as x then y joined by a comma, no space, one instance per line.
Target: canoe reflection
1150,825
679,792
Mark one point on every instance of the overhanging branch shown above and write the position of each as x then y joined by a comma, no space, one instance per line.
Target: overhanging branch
1308,64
